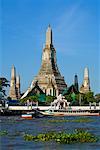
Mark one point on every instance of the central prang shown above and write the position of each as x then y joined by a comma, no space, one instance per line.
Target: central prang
49,78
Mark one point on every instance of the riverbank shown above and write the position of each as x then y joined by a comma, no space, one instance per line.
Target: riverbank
43,108
18,110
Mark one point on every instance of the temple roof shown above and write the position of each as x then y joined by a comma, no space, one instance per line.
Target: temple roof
35,90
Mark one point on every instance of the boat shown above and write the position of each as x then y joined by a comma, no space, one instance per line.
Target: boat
61,107
27,116
63,112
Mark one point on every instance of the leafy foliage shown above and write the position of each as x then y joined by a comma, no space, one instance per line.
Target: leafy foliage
78,120
85,98
79,136
74,101
3,83
88,97
97,97
42,99
72,98
3,133
49,99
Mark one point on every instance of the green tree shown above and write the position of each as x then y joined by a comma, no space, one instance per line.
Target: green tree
88,97
68,97
3,83
72,98
97,97
33,98
49,99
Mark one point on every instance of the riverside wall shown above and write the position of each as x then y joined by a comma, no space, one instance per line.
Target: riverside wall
48,107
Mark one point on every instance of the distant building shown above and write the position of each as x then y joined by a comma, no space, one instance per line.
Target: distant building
49,78
85,88
74,88
14,92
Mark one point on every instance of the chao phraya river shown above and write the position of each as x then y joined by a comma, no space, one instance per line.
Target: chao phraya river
17,127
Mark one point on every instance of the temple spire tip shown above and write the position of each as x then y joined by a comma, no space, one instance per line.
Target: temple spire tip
49,36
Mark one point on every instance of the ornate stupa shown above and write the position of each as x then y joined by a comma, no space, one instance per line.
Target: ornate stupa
85,88
14,92
49,78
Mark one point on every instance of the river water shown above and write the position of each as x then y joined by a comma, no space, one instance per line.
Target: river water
17,127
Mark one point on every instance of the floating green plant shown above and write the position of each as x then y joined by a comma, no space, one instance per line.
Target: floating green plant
83,120
29,137
4,132
58,121
75,120
78,136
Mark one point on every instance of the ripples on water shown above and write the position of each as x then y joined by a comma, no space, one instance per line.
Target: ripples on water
17,127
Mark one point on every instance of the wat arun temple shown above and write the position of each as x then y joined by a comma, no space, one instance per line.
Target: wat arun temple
49,78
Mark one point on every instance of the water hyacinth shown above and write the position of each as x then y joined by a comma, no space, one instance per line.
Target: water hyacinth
3,133
78,136
29,137
78,120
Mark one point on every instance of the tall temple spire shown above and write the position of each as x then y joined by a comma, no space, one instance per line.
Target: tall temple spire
49,36
86,73
86,78
18,80
49,77
18,86
13,73
12,92
86,82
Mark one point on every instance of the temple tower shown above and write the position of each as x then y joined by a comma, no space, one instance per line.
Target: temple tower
85,88
49,78
49,36
12,92
18,86
76,83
